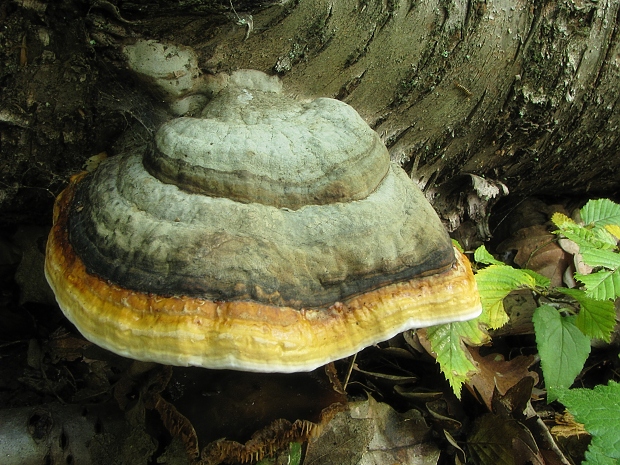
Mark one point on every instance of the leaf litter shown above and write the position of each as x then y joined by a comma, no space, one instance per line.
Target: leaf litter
399,407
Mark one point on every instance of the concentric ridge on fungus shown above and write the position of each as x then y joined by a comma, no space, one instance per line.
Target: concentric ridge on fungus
268,235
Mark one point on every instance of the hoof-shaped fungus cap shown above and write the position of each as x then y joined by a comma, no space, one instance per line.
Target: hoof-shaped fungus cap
267,235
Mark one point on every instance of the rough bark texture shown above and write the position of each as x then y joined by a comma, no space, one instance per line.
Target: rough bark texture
526,92
519,91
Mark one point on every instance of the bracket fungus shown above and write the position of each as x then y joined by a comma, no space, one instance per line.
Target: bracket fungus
267,234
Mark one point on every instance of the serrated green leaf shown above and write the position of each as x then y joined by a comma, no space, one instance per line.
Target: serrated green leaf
602,285
452,355
598,410
596,456
583,237
482,255
601,234
596,318
562,347
597,257
561,220
495,282
540,280
613,229
601,212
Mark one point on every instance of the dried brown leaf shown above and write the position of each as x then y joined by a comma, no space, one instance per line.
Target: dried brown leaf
537,250
495,372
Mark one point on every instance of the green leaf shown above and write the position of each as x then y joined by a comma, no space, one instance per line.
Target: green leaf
598,410
613,229
585,237
598,257
601,212
561,220
494,283
562,347
292,456
605,236
596,456
295,453
540,280
482,255
456,244
597,214
452,355
596,318
602,285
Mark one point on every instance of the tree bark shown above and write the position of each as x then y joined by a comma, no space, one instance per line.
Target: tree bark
522,92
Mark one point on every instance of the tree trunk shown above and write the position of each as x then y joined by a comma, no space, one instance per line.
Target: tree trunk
525,92
522,92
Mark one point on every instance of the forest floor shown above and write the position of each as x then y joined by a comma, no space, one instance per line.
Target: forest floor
63,398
